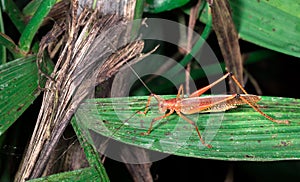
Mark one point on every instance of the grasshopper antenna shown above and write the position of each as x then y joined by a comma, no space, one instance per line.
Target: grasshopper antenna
134,72
137,75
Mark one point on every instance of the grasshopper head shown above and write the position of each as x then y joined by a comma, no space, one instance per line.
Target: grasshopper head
161,103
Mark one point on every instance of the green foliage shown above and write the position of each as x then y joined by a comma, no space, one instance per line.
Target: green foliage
86,174
271,24
34,24
155,6
90,151
18,89
241,134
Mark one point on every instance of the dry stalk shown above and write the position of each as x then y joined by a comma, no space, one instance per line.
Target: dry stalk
74,77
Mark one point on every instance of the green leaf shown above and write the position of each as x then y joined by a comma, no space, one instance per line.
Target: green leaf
271,24
2,48
90,151
157,6
242,134
138,10
8,43
31,7
18,89
14,14
86,174
34,24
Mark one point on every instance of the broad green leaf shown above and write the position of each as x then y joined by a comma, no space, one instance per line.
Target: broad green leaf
242,134
157,6
272,24
18,89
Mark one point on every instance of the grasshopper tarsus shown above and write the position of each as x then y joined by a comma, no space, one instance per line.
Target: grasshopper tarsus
144,133
207,145
282,121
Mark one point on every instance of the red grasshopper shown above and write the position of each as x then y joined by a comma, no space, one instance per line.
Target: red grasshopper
195,104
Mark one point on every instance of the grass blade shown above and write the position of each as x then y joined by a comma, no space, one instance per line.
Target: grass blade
243,135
